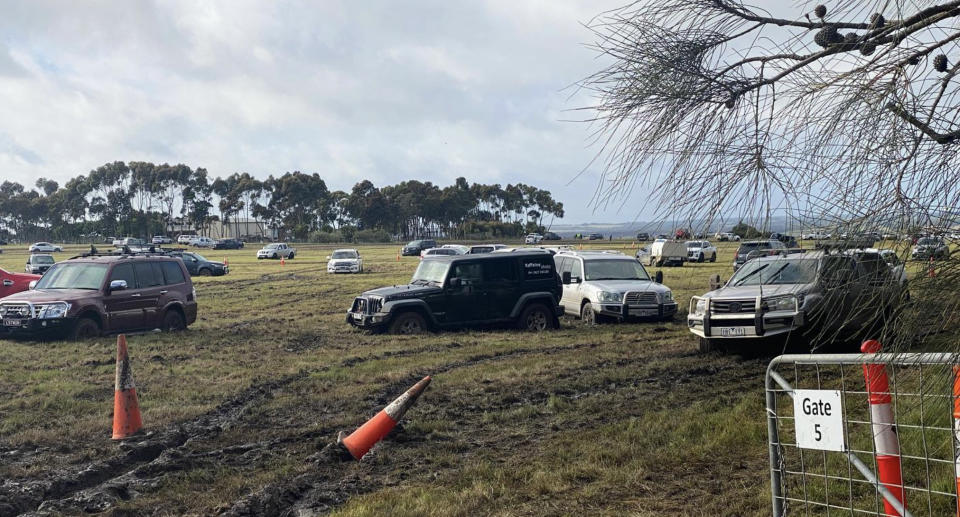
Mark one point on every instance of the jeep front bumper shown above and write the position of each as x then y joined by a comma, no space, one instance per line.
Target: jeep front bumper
623,311
739,325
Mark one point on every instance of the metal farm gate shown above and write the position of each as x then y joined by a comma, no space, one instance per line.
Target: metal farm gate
863,434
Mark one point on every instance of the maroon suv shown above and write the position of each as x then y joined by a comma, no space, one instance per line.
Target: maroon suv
91,295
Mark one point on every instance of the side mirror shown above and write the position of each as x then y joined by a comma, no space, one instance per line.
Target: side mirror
32,285
565,277
455,282
118,285
715,282
658,278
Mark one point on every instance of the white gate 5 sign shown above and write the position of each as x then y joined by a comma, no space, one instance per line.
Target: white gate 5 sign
818,415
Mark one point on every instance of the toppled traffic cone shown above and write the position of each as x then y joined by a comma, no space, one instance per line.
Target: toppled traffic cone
367,435
126,407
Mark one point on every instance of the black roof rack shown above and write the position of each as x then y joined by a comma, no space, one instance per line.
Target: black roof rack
126,251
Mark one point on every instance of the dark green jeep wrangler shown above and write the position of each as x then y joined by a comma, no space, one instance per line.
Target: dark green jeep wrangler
521,288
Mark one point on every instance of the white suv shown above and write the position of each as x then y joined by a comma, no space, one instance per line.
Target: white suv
185,238
345,260
602,286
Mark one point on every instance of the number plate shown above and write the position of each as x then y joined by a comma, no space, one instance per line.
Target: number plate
357,316
732,331
643,312
11,323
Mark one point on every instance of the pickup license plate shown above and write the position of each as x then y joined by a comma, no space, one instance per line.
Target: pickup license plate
11,323
643,312
732,331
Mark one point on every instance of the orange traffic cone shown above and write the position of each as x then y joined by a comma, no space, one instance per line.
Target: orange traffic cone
367,435
956,427
126,407
398,255
225,263
283,261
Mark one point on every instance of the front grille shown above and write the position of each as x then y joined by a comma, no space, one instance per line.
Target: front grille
733,306
342,264
641,298
366,306
15,310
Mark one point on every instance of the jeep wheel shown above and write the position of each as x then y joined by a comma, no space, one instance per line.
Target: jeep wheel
536,318
172,321
85,328
587,314
408,323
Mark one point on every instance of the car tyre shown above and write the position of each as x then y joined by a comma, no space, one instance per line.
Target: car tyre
588,315
291,256
173,321
536,318
708,345
85,328
713,258
408,323
205,272
700,258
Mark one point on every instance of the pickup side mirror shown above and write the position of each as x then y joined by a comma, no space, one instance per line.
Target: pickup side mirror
565,277
117,285
455,282
658,278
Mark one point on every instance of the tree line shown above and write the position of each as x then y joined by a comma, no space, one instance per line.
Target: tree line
144,199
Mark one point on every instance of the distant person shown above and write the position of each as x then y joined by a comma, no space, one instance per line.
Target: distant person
611,237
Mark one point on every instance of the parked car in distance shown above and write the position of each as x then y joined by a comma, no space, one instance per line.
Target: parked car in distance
753,249
485,248
461,249
197,264
38,264
161,239
11,283
727,236
347,260
817,294
203,242
228,244
131,242
186,238
643,237
44,247
595,236
551,236
413,248
700,251
439,252
276,250
930,247
533,238
85,297
522,289
603,286
897,267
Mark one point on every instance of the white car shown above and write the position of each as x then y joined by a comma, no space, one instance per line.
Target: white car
601,286
727,236
533,238
459,247
44,247
161,239
439,252
700,251
186,238
347,260
276,250
203,242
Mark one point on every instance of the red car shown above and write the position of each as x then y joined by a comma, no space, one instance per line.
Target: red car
11,283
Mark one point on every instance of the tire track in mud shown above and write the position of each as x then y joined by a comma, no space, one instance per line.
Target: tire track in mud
100,484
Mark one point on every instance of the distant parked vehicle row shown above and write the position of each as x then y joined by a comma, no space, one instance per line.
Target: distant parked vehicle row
930,248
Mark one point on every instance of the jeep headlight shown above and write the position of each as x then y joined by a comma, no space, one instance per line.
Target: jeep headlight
53,310
782,303
666,296
608,297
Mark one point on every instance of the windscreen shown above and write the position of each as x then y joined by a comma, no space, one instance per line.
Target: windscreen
694,244
344,255
772,272
42,259
927,241
614,270
76,275
430,272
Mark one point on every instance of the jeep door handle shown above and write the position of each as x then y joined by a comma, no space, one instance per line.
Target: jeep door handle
135,295
7,283
163,292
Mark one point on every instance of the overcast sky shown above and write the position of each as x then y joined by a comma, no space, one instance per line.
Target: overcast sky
377,90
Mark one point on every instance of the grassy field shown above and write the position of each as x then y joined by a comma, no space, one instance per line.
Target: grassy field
607,420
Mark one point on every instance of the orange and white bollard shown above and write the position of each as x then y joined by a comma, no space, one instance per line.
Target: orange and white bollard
126,407
366,436
956,429
225,262
283,261
886,441
931,269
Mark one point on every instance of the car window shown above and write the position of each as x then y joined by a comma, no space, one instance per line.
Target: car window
626,269
563,264
576,268
172,272
73,275
467,273
157,272
499,271
771,272
145,275
124,272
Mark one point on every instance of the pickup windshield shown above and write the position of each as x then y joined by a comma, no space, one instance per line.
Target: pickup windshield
75,275
771,272
614,270
344,255
430,272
